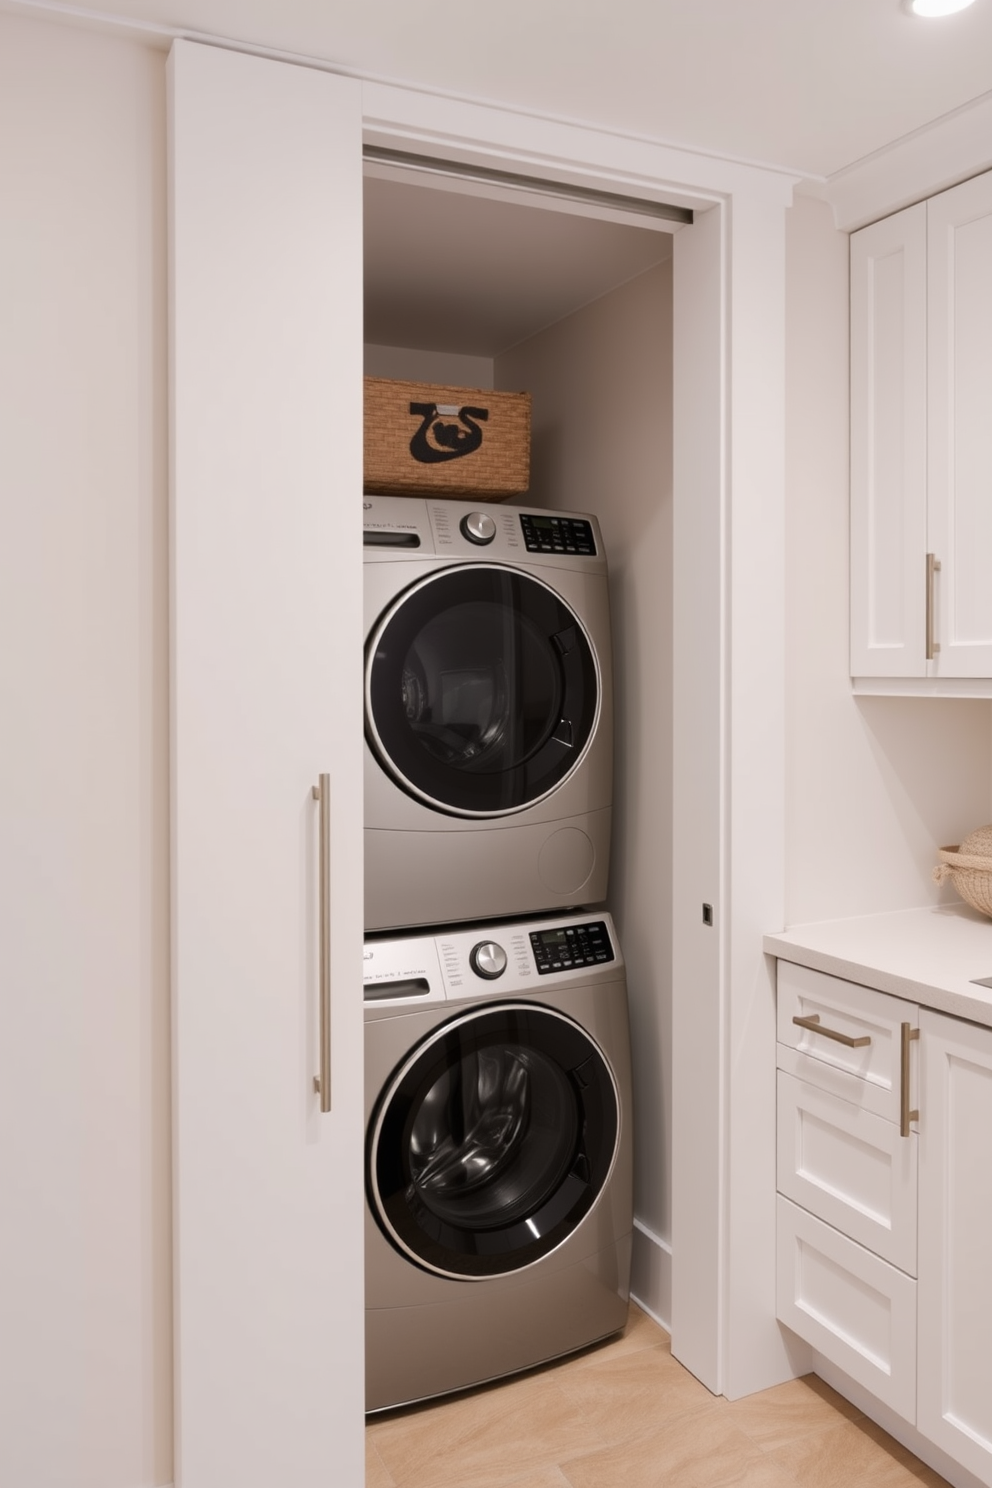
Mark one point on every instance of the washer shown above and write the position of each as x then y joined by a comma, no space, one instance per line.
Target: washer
498,1152
488,712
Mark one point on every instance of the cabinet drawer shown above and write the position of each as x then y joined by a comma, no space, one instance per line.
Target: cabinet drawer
855,1309
867,1073
850,1168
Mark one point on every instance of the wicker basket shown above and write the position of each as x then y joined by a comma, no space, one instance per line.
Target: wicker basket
969,867
430,439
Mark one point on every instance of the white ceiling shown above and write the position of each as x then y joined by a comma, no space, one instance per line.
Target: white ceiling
808,85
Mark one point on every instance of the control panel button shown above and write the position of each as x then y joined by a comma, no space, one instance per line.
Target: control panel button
479,528
487,959
564,948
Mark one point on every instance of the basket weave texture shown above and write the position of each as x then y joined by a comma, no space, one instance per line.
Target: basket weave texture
969,867
434,440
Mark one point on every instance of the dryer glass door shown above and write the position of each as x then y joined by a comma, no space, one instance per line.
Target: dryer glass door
493,1141
481,690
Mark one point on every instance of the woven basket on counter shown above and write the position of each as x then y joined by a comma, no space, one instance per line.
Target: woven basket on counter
969,867
433,440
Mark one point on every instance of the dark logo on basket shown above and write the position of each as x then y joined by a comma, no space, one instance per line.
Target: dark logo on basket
437,439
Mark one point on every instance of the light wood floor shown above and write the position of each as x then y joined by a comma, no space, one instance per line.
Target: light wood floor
625,1414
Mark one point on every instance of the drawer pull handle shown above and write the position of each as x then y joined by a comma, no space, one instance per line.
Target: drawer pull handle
905,1114
815,1026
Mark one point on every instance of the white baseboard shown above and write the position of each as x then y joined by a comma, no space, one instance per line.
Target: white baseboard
651,1275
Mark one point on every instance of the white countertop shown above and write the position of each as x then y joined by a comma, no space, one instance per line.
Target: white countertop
930,956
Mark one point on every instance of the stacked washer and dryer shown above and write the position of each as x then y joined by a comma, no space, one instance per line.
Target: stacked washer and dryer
497,1053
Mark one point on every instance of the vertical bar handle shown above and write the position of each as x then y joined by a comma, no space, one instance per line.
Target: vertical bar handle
933,567
905,1114
322,1082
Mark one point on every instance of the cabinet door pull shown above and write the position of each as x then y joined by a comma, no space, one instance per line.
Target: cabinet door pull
815,1026
322,1082
933,567
908,1034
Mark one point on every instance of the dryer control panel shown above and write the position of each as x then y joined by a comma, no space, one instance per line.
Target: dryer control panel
398,528
564,947
549,533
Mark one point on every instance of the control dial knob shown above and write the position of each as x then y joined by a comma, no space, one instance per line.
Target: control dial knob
478,527
487,959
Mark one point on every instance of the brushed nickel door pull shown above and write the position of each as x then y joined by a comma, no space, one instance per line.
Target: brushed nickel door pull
933,567
815,1026
905,1114
322,1082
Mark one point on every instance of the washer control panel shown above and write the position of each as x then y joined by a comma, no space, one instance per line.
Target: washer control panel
401,529
560,948
501,959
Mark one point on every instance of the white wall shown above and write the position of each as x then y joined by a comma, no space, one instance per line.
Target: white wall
447,367
873,785
85,1222
601,382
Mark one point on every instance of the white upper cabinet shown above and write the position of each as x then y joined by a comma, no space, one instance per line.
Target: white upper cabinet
888,446
266,309
959,425
921,446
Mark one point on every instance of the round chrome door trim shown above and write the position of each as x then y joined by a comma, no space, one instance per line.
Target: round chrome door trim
375,739
414,1057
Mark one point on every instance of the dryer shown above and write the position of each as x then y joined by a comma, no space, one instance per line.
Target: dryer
488,711
498,1151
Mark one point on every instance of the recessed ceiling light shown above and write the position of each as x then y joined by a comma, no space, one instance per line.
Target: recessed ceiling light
936,7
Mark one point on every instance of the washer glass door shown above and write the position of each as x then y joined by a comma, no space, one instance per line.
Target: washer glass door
481,690
492,1141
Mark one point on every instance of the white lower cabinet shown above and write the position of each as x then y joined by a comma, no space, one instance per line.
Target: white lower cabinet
885,1210
954,1407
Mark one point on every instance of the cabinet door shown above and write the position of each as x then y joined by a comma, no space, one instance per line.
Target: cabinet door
954,1404
888,447
959,266
266,308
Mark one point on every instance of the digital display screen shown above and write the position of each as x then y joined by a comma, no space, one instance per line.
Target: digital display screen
541,522
553,937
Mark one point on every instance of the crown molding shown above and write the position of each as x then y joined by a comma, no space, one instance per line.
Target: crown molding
705,175
939,155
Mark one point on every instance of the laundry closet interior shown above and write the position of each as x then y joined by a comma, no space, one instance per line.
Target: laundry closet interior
485,286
